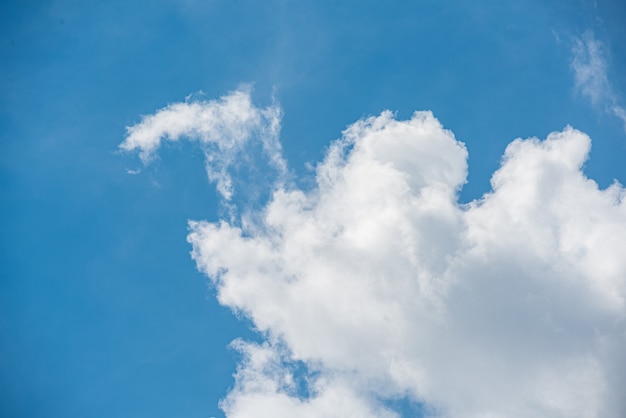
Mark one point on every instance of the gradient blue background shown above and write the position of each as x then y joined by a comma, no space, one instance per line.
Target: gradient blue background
102,313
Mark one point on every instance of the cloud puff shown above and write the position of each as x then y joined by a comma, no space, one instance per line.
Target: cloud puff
590,70
223,127
377,284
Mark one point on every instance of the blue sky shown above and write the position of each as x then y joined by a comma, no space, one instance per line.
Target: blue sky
104,312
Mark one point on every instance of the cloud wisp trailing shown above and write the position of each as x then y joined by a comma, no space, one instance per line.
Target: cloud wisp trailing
590,71
384,286
224,127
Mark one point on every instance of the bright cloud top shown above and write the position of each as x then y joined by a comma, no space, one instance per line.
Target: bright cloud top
222,126
384,286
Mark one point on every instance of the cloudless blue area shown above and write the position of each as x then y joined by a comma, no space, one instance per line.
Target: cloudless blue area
102,312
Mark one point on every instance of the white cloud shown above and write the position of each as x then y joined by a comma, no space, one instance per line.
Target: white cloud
265,387
620,112
590,71
385,286
222,126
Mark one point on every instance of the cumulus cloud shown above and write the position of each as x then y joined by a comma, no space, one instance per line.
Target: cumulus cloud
590,70
223,127
377,284
266,386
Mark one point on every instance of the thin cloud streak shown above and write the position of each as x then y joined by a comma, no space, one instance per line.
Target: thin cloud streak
589,64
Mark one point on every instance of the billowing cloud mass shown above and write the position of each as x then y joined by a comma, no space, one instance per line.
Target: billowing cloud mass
590,71
377,284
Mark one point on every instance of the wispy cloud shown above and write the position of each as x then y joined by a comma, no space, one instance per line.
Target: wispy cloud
383,285
223,127
589,64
